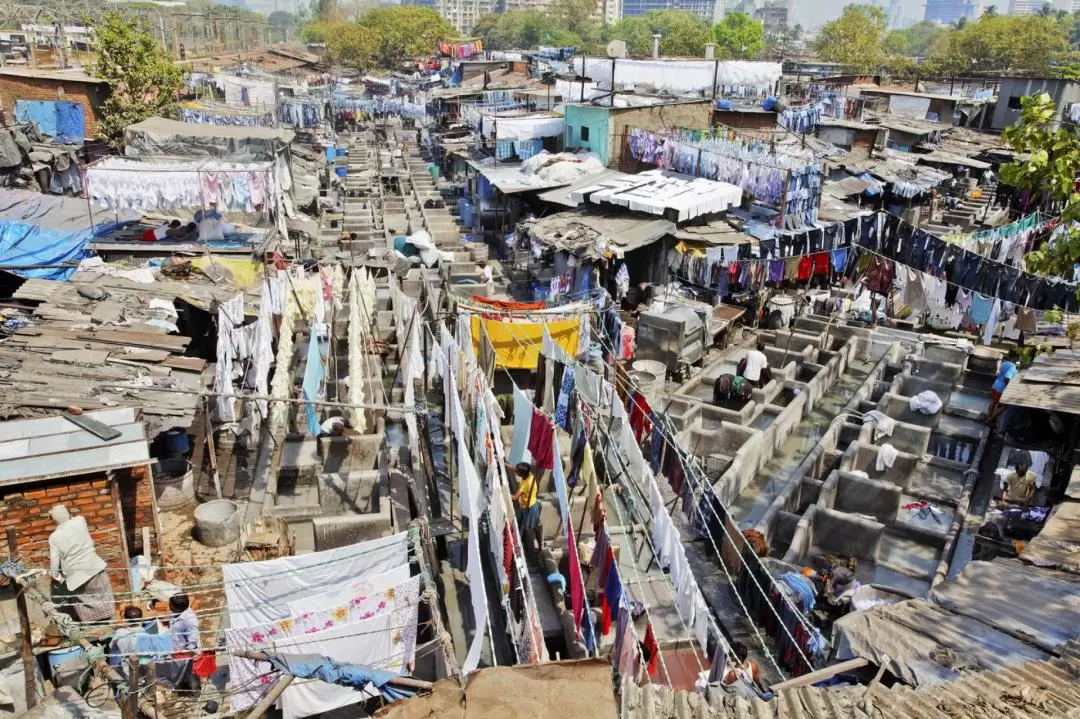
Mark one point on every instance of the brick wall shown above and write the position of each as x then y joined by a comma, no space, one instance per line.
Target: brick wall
13,89
26,507
137,503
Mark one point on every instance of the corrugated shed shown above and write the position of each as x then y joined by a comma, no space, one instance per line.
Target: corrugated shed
1000,593
1058,544
1036,690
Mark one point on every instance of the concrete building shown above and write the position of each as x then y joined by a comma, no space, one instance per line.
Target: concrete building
463,14
1012,89
774,16
604,130
947,12
705,9
1025,7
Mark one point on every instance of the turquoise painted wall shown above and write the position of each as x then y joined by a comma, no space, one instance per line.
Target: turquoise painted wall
596,120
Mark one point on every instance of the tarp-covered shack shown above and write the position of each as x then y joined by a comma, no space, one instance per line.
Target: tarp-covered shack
158,137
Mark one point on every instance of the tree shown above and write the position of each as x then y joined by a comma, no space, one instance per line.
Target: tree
856,38
280,19
990,11
681,33
485,28
738,35
996,43
143,81
323,9
405,32
1051,166
349,45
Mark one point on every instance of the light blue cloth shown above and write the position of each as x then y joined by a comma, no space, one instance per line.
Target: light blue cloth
23,244
981,306
70,123
358,676
153,644
560,480
523,412
313,377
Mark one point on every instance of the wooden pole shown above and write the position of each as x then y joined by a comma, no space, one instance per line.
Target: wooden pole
213,453
129,707
271,696
29,669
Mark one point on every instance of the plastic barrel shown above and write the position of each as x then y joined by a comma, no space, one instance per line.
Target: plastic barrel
434,170
340,171
331,152
484,188
176,441
465,205
56,657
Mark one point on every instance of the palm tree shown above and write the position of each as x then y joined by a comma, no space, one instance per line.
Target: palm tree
990,11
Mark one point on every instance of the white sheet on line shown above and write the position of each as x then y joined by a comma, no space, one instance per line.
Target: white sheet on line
522,128
259,592
370,642
246,677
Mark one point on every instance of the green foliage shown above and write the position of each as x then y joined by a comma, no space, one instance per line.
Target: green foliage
348,44
405,32
856,38
1051,167
280,19
738,36
527,29
323,9
915,41
681,33
998,43
143,81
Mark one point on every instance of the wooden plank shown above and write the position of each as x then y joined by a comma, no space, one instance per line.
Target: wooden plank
79,357
188,364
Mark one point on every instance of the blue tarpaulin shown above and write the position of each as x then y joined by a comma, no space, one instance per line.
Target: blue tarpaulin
25,244
63,121
357,676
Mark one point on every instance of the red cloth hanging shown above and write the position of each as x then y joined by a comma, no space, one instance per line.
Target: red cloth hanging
821,263
606,610
652,649
599,514
541,437
805,265
639,416
508,548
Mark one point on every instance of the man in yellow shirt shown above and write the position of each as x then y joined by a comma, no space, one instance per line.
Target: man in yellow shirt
1019,486
528,506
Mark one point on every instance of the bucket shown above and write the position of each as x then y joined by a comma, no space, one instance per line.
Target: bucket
176,442
649,376
341,171
174,484
217,523
465,206
56,657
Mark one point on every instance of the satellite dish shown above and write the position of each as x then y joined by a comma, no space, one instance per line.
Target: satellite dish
616,48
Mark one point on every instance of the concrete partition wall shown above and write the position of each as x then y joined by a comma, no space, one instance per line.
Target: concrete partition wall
827,531
861,457
899,408
852,494
908,438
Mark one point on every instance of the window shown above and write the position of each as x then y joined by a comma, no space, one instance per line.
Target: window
584,133
1014,102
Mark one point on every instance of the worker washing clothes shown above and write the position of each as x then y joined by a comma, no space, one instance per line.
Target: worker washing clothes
728,387
755,367
1005,375
334,427
527,511
1018,486
81,586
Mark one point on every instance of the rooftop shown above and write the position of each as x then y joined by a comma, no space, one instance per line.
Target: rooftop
47,74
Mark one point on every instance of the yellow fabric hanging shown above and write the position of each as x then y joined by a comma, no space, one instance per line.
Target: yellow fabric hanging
517,344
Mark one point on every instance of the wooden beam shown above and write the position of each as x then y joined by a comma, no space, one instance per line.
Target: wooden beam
29,666
821,674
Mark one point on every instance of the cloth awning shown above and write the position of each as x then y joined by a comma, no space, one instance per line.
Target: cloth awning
658,192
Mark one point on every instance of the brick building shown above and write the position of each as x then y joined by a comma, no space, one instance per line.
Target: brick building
45,462
22,83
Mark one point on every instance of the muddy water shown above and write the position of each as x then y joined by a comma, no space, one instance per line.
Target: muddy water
756,498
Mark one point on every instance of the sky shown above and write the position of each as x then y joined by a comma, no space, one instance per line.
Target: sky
813,13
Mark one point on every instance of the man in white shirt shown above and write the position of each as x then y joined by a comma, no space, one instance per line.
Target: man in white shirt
334,427
77,570
755,366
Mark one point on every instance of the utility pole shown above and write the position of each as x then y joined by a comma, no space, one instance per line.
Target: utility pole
29,666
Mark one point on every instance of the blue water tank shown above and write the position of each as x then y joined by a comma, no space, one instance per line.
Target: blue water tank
484,188
724,104
331,152
769,103
465,206
176,442
340,171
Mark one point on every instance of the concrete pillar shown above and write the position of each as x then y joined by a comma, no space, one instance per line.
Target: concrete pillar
656,45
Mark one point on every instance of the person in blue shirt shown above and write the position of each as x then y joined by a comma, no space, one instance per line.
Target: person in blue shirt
1005,373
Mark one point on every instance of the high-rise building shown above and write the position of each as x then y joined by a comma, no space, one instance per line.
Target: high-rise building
774,16
948,12
705,9
463,14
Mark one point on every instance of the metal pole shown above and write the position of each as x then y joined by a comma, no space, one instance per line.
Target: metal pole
29,668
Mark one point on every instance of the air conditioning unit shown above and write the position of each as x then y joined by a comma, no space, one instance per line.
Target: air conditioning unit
616,48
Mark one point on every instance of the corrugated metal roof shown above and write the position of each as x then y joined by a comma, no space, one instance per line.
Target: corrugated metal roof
35,449
1035,690
1058,544
590,233
561,196
999,594
1054,397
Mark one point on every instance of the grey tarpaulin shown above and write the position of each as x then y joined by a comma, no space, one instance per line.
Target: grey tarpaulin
156,137
927,644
